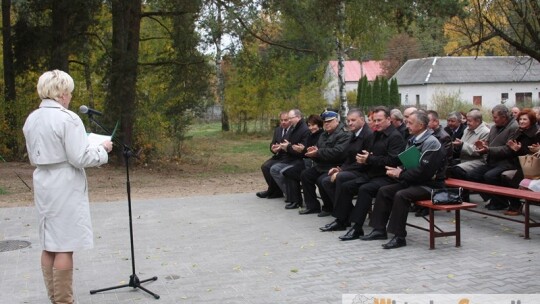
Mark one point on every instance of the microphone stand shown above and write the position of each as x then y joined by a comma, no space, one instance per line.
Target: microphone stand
133,279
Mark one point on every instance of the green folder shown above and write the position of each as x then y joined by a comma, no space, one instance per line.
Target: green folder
410,158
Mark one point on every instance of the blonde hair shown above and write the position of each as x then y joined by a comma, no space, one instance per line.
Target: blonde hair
52,84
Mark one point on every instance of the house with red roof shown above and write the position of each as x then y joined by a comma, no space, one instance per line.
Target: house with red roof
353,71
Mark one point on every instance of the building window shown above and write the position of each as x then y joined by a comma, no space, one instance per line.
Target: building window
504,97
524,99
477,100
418,101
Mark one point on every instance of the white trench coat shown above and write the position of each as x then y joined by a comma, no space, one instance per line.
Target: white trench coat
58,146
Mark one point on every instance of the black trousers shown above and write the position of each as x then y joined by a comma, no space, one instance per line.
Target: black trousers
311,179
392,207
273,188
365,189
333,188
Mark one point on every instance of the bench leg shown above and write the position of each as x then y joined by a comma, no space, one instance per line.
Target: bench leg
431,229
457,218
527,219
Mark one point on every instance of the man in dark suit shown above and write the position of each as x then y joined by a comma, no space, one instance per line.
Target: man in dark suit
412,184
280,134
382,150
455,128
297,134
349,170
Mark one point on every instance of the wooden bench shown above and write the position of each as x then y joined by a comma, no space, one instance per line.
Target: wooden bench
530,197
440,233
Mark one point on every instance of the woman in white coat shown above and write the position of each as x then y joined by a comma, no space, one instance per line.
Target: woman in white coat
58,146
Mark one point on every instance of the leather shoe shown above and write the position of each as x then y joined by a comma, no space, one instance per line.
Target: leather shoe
375,235
395,242
422,212
334,226
495,206
292,205
262,194
308,211
324,213
353,234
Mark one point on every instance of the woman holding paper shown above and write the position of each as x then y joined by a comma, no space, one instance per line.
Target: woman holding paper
58,146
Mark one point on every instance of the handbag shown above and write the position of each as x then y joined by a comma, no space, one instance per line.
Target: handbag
530,165
447,196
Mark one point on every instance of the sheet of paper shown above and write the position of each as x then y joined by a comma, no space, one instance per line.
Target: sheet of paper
96,139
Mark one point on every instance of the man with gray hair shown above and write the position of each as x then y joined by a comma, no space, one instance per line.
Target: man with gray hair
454,127
499,156
469,159
397,121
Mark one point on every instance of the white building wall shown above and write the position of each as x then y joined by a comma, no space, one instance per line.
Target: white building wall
490,93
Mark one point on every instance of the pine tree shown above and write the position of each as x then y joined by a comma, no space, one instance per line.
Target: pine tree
385,94
376,98
394,93
363,87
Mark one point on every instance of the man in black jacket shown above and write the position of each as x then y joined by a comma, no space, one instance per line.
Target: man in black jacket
455,128
412,184
382,150
328,153
280,134
297,134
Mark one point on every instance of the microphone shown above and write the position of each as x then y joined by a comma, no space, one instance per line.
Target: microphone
89,111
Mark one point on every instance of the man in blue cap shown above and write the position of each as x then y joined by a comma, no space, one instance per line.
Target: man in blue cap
328,153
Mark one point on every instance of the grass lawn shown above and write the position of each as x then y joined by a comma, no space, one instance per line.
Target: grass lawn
225,152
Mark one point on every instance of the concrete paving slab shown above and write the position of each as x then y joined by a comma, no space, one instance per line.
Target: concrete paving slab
241,249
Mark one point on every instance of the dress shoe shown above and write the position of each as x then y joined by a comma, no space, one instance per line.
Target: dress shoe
262,194
309,211
353,234
375,235
277,195
422,212
495,206
334,226
292,205
395,242
324,213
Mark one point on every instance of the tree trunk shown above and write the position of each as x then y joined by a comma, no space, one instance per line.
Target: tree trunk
126,16
60,33
341,77
9,78
219,71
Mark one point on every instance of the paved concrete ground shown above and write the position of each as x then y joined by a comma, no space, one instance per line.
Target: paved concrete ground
242,249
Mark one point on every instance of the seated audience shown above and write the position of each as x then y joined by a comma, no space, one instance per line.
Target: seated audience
385,145
349,170
292,174
393,201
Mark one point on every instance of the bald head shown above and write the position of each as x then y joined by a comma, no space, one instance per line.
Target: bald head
407,112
